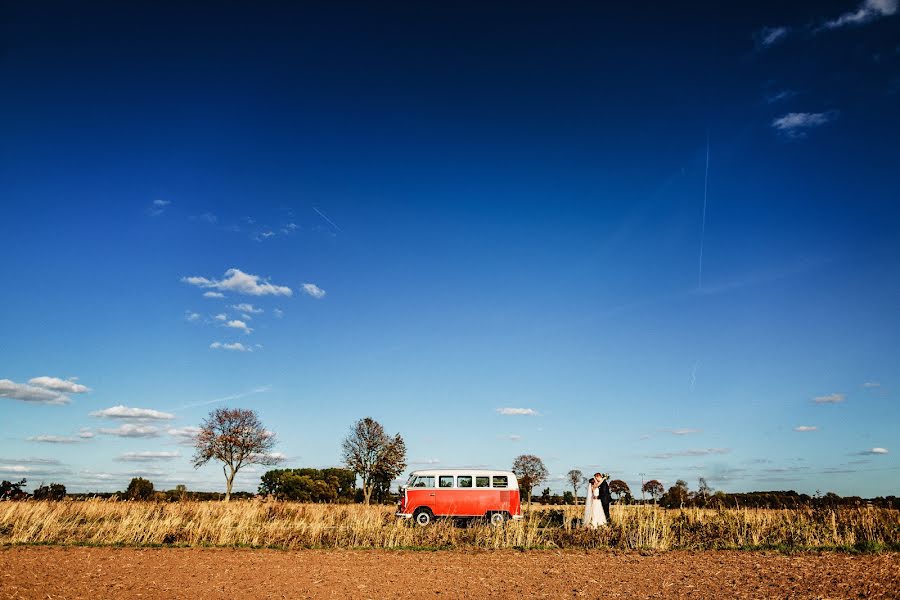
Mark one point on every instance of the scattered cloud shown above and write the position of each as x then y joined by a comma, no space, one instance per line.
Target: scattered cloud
803,428
53,439
131,430
527,412
768,36
236,346
213,295
158,207
796,125
208,217
278,313
247,308
31,393
868,11
85,433
236,324
780,96
191,317
313,290
692,452
873,452
871,385
830,399
185,435
221,317
59,385
238,282
138,414
511,437
427,461
161,203
147,456
683,431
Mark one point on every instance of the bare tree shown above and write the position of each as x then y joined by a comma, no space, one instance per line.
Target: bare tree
236,437
575,478
531,472
373,454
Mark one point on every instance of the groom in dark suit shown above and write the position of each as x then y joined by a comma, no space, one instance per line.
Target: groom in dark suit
605,496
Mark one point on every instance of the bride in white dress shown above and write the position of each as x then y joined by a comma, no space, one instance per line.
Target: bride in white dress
593,509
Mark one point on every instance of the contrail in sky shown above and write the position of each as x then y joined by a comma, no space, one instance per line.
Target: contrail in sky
703,220
259,390
329,221
694,375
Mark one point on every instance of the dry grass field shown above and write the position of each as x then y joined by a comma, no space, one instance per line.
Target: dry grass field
286,525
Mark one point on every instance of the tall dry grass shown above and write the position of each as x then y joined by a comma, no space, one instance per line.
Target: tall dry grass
294,525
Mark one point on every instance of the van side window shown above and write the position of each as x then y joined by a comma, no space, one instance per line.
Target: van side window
424,481
464,481
482,482
445,481
501,481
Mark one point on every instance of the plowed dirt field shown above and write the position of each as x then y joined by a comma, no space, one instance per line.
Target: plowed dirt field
207,574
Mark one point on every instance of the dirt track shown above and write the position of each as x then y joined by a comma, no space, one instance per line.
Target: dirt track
55,572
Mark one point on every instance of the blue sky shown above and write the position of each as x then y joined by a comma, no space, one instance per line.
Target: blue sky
480,225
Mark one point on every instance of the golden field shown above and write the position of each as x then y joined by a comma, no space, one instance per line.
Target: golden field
293,525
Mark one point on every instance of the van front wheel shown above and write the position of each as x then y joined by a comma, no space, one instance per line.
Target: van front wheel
497,518
423,517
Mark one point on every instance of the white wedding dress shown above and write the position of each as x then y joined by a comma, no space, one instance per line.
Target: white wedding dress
593,509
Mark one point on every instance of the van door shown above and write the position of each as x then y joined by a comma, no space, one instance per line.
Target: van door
446,500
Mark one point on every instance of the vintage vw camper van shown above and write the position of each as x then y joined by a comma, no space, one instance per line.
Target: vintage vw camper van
468,493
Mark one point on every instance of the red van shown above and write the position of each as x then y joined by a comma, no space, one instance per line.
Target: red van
460,493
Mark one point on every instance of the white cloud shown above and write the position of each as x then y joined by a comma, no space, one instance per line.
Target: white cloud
527,412
161,203
278,313
213,295
239,282
874,451
85,434
59,385
427,461
130,430
692,452
185,435
869,10
147,456
313,290
247,308
236,346
53,439
770,35
683,431
236,324
158,207
830,399
126,412
797,124
803,428
31,393
191,316
513,437
779,96
221,317
871,385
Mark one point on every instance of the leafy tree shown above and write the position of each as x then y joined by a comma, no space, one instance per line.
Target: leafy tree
545,496
677,495
618,488
236,437
373,455
654,488
54,491
308,485
13,491
139,489
530,471
568,497
576,478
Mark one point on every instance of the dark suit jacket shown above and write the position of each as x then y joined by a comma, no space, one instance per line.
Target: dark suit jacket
605,498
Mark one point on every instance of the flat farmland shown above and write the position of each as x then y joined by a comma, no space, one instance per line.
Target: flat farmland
91,572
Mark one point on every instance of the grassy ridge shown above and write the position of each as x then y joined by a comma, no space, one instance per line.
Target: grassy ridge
293,525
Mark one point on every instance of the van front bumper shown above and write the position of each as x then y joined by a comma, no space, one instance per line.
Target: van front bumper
401,515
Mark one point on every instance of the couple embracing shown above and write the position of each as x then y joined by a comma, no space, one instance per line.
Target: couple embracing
596,504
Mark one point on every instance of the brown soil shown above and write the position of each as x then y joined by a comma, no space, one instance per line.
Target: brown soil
206,574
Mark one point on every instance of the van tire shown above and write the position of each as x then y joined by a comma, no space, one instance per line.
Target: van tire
423,517
497,518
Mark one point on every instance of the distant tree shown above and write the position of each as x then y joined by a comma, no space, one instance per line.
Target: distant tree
373,455
236,437
568,497
545,496
308,485
139,489
654,488
13,491
181,491
576,478
531,472
618,488
677,495
54,491
703,491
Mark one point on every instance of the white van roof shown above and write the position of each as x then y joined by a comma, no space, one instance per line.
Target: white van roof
462,471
